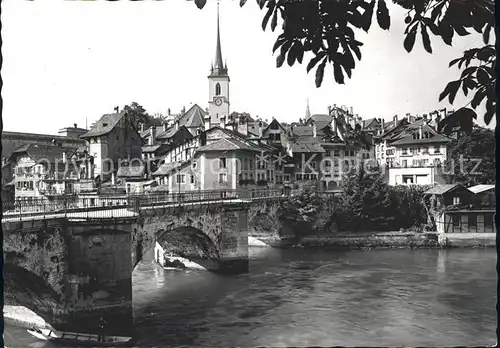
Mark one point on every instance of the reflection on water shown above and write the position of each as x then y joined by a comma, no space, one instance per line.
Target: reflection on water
306,298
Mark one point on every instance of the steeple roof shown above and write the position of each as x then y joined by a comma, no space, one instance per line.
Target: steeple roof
218,68
308,112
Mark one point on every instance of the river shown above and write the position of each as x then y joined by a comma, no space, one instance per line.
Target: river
302,297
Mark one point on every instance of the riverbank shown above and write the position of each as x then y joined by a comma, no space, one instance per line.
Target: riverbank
380,240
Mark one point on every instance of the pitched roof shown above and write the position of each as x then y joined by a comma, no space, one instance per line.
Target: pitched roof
131,171
194,117
167,168
275,121
406,138
105,125
45,153
481,188
369,122
150,148
303,147
321,118
226,144
441,189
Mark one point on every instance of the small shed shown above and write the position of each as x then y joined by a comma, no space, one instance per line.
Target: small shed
484,194
450,194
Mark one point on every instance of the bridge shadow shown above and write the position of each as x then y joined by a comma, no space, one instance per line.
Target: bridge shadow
26,290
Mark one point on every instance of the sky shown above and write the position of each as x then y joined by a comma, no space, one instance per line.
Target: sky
69,62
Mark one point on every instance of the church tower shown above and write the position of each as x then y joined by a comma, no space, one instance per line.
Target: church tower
218,102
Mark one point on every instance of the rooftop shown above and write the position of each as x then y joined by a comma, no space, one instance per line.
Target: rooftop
105,125
481,188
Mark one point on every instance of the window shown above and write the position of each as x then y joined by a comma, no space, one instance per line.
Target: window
306,176
407,179
186,153
217,89
192,179
222,162
405,163
336,152
181,179
425,150
456,200
413,151
314,177
346,153
488,220
298,177
222,178
472,220
405,151
437,149
194,165
456,220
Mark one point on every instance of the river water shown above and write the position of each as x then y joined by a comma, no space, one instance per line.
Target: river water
318,298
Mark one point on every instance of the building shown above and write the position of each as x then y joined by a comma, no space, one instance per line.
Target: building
456,210
112,139
218,101
45,171
484,195
415,155
72,132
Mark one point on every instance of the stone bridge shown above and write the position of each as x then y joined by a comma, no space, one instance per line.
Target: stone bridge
71,267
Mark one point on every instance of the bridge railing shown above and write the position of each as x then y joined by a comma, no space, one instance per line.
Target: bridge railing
125,205
66,207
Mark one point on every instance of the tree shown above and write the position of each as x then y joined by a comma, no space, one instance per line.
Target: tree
365,201
300,210
139,116
326,29
472,158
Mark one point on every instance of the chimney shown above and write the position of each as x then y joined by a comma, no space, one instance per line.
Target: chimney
142,127
315,131
351,111
74,124
207,122
334,125
152,135
165,127
260,129
223,121
382,122
168,112
113,179
64,156
395,119
177,125
420,132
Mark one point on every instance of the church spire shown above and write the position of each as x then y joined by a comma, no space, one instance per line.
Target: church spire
308,112
218,68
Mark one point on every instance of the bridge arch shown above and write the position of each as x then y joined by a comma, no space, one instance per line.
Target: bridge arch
186,243
23,288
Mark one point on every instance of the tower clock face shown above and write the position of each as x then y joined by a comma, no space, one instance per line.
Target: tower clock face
218,101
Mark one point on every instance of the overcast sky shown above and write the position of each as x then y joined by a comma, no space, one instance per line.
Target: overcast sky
66,62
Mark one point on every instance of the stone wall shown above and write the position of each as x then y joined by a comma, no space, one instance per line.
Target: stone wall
265,223
40,248
70,272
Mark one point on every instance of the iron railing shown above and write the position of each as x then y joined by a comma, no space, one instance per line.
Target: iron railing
114,206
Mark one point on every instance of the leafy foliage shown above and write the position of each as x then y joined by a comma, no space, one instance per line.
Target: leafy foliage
300,210
368,203
140,116
365,202
327,28
464,154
